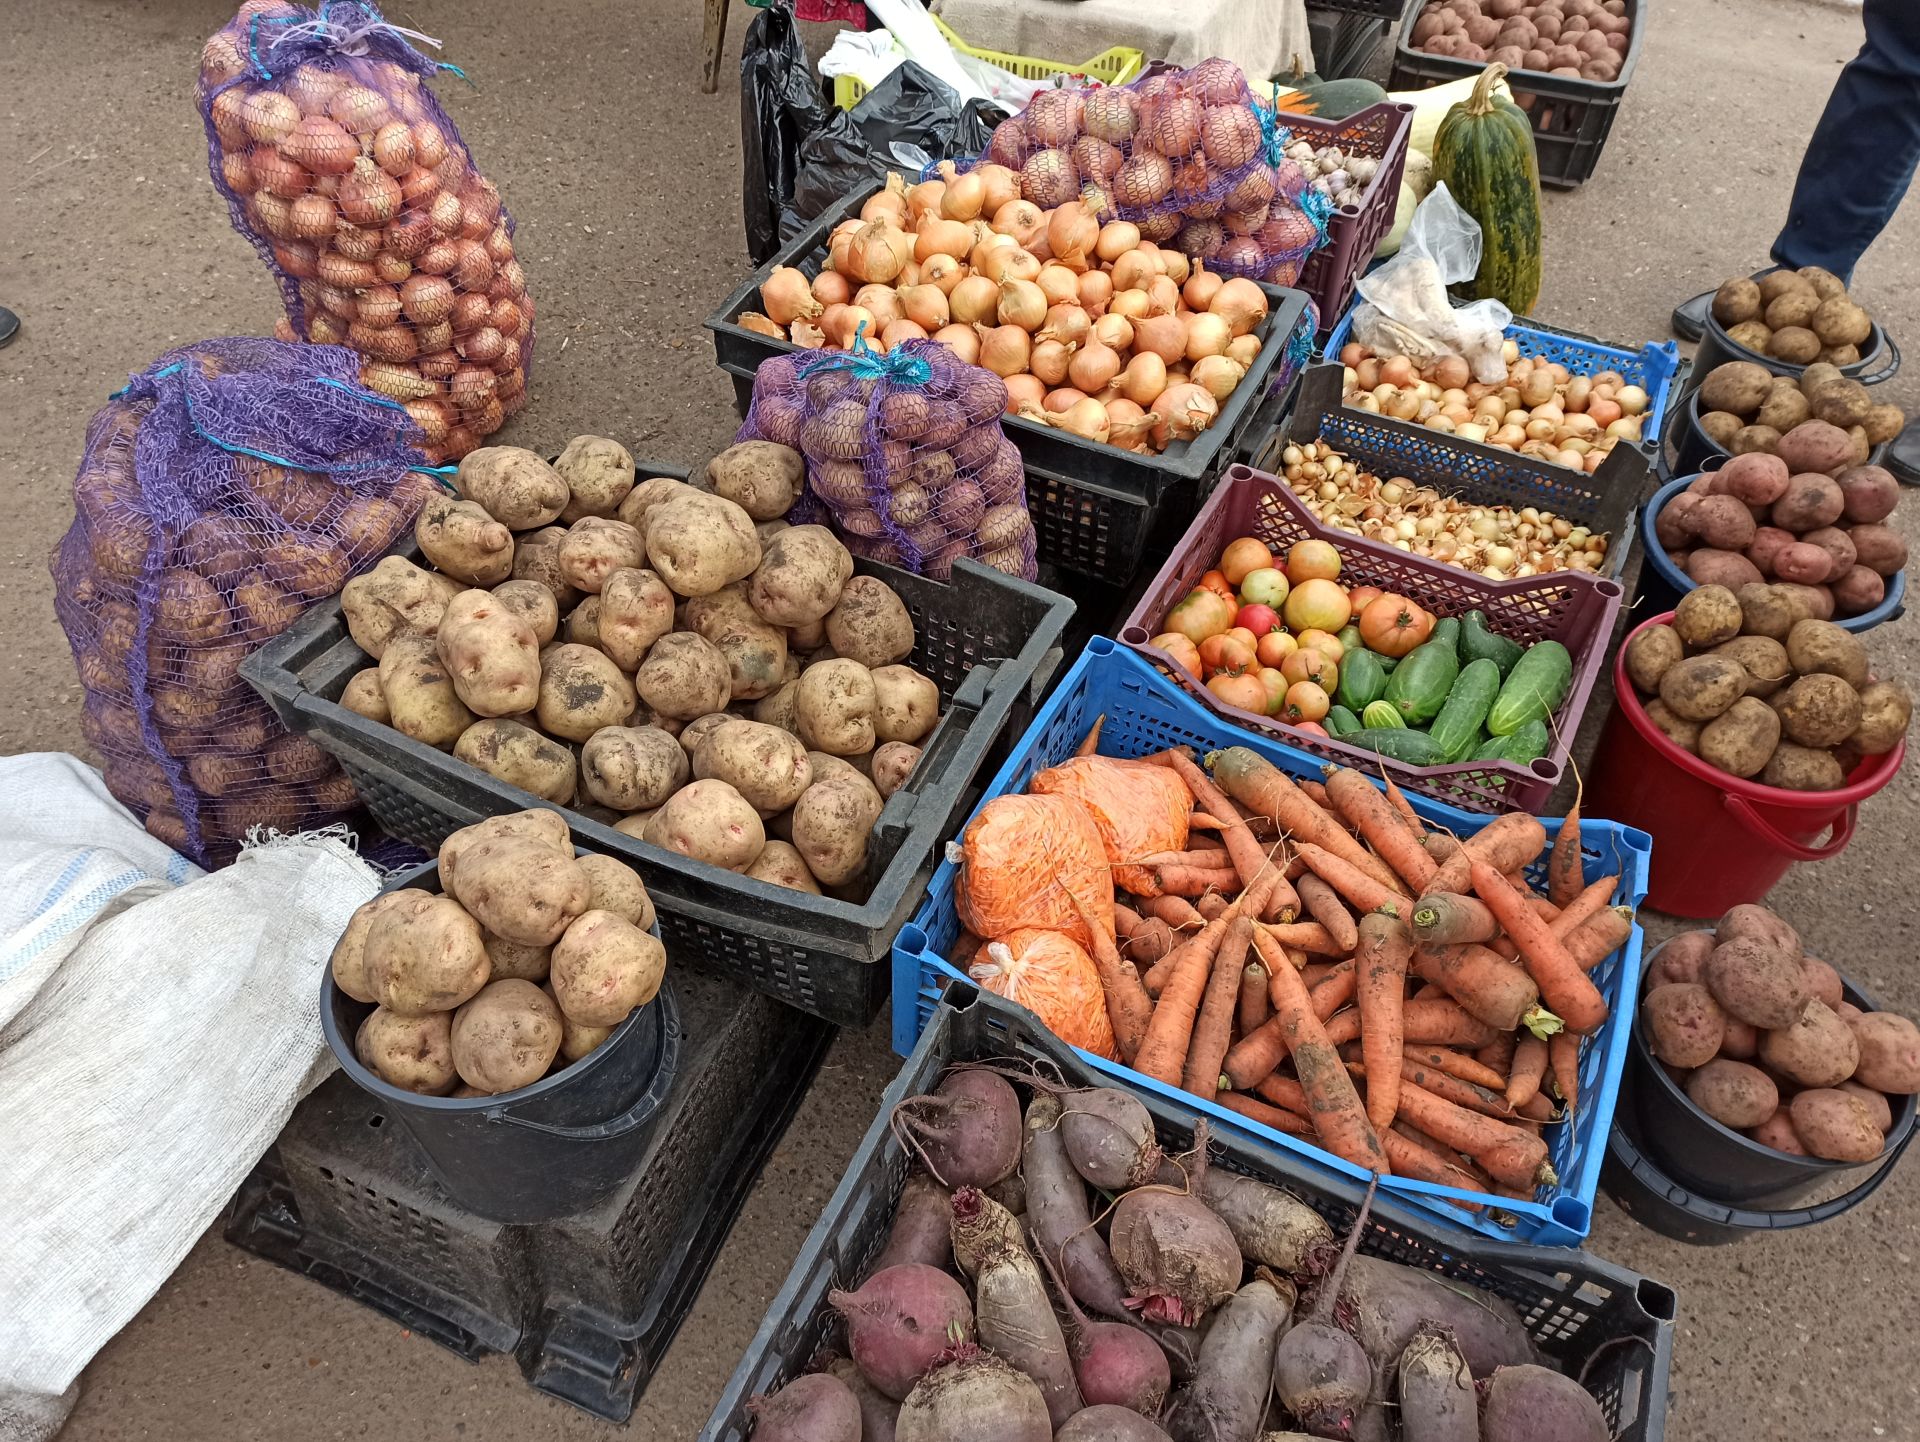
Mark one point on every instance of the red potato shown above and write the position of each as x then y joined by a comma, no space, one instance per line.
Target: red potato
1739,1041
1777,1132
1874,1101
1682,958
1835,1125
1733,1093
1824,981
1889,1053
1758,983
1686,1023
1816,1051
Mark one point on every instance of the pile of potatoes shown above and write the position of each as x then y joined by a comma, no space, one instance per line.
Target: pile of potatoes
526,961
1751,684
1757,519
1823,421
1580,39
1761,1038
678,663
1797,316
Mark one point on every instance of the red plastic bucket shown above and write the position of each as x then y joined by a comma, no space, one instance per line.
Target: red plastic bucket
1718,841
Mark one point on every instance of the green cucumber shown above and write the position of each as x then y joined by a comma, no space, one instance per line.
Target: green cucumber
1529,743
1340,721
1419,685
1362,680
1478,642
1466,707
1415,748
1534,689
1383,716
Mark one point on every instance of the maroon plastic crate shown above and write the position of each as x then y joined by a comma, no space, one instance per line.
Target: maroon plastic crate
1379,132
1576,609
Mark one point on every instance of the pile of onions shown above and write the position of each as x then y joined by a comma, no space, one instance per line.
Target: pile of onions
1541,410
354,179
1498,542
1094,329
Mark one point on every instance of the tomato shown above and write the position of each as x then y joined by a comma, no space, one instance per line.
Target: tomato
1242,557
1275,647
1326,644
1393,625
1181,649
1312,561
1360,596
1266,587
1241,633
1317,605
1312,728
1305,665
1204,613
1276,685
1226,653
1257,619
1217,583
1305,702
1246,691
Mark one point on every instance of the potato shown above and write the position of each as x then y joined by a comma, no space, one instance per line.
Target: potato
1739,1042
699,543
870,624
1824,282
1848,1012
513,961
1838,321
1722,522
1670,526
1815,602
1792,308
1816,1051
648,494
1732,1093
893,763
1842,403
1684,1024
1813,448
1834,1125
1760,922
1741,739
583,624
424,957
463,541
908,704
521,888
1876,1103
781,865
832,824
762,478
1676,728
711,822
1736,301
421,697
1650,653
1824,982
1738,387
764,764
1777,1132
781,708
1682,958
1721,427
617,888
520,756
582,690
576,1040
594,548
533,603
538,825
1784,408
1889,1053
632,768
349,960
491,655
1762,658
1708,567
536,557
362,694
1868,493
1801,768
834,708
506,1037
1880,548
393,597
636,610
1757,480
1751,335
800,576
604,967
1702,687
1886,709
1758,981
634,825
704,614
756,657
1794,344
1884,423
698,729
1707,615
1768,611
1820,710
516,487
598,475
684,676
414,1053
1776,283
1820,647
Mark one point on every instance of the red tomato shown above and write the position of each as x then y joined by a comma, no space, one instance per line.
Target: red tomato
1226,653
1257,619
1393,625
1245,691
1182,649
1217,583
1359,596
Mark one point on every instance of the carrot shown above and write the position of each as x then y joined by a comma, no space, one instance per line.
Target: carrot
1374,818
1600,937
1253,1058
1192,880
1151,940
1502,946
1508,842
1590,902
1338,1116
1283,906
1176,911
1445,918
1380,964
1563,1055
1211,905
1429,992
1410,1159
1306,936
1203,857
1442,846
1509,1153
1563,985
1163,1051
1480,1099
1254,1007
1128,1005
1259,784
1335,990
1491,988
1405,807
1324,905
1090,743
1440,1023
1248,857
1458,1064
1317,794
1268,1116
1208,842
1126,921
1529,1066
1497,1055
1314,971
1213,1030
1284,1091
1355,884
1565,876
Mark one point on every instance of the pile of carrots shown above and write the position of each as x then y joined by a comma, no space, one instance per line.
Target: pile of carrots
1322,961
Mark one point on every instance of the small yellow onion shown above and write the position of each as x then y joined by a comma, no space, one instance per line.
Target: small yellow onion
429,145
889,204
882,302
1049,361
435,337
1022,303
831,288
1179,266
1059,285
926,306
1207,335
1072,235
974,300
362,111
1005,349
924,198
369,196
1000,184
1217,375
1067,323
1095,367
1163,296
786,296
320,145
1115,331
1185,410
1021,221
1144,378
268,117
897,331
1023,392
1134,270
843,322
941,237
312,217
1133,304
807,335
1162,335
1060,398
1096,290
1242,303
963,197
1009,262
962,340
877,252
1117,237
1086,418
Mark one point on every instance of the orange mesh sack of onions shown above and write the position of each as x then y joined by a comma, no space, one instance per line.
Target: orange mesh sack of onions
905,455
338,163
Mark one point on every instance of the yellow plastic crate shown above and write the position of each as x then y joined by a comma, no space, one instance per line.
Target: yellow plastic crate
1110,67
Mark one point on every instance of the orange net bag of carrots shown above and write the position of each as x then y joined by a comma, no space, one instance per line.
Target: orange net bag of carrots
1139,809
1054,978
1024,862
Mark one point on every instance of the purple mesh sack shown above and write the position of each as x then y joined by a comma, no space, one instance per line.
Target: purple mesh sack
228,487
905,455
338,163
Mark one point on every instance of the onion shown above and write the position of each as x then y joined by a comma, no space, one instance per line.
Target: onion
786,296
1133,304
1230,134
1087,418
1241,303
1109,115
1117,237
1244,349
1022,303
439,365
882,302
876,252
275,174
420,187
1135,269
312,217
1023,391
349,275
1207,335
1094,367
324,329
1049,179
1185,410
926,306
963,197
369,196
1002,185
470,312
444,212
1201,287
268,116
974,300
808,336
363,111
1072,235
899,331
1144,378
1058,284
236,173
889,204
1095,161
1096,289
1115,331
472,267
831,288
1021,219
924,199
1009,262
941,237
1217,375
297,258
1162,335
1049,361
1173,126
319,145
1163,296
1005,349
1068,323
962,340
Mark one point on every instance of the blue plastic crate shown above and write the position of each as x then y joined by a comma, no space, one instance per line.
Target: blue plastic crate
1653,367
1146,713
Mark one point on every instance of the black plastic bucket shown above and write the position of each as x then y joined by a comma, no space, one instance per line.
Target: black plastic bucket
1695,451
1879,361
544,1151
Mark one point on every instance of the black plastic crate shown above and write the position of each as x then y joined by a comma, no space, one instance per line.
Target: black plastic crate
988,640
1610,1327
1571,117
1385,9
586,1304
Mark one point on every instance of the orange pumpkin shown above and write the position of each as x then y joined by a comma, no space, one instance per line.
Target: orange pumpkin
1182,649
1393,625
1247,691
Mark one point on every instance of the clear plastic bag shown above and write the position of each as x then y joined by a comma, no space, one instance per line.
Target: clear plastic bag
1405,309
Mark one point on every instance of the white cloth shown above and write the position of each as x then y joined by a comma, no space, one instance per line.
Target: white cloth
157,1026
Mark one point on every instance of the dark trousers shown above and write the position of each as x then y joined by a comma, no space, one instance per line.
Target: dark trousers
1863,152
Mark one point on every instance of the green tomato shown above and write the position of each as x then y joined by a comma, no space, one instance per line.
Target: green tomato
1349,636
1265,587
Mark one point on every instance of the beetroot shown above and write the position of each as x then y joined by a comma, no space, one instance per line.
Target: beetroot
921,1227
977,1224
1386,1303
1228,1394
1109,1138
878,1412
1437,1400
967,1133
1537,1404
813,1408
974,1398
1177,1257
1272,1228
1116,1364
1320,1373
1104,1423
1015,1321
1059,1217
900,1321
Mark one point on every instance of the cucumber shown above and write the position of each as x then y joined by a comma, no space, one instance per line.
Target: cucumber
1362,680
1447,632
1419,685
1340,721
1478,642
1534,689
1529,743
1466,707
1415,748
1383,716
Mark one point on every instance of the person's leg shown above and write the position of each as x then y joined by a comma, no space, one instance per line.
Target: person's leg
1863,152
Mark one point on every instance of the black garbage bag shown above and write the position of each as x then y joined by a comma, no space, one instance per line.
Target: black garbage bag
780,106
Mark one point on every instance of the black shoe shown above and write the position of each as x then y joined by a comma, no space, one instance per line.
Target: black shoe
1690,316
1903,456
9,325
